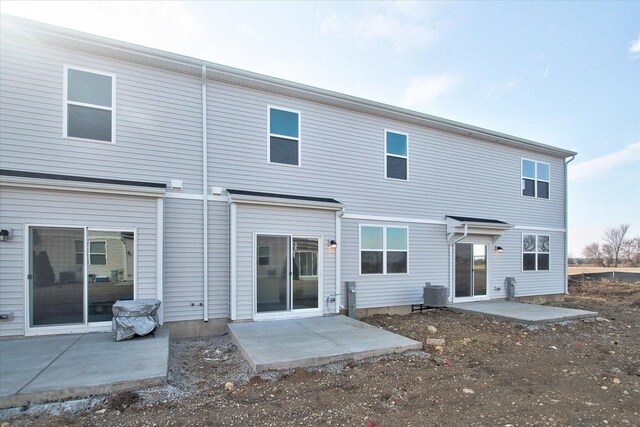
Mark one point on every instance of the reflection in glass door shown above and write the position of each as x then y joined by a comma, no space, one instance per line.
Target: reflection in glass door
56,276
286,273
305,273
470,270
272,273
77,274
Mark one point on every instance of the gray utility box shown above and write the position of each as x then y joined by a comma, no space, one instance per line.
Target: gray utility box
435,295
351,299
510,285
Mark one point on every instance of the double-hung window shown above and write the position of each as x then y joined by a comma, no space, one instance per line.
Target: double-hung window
383,250
396,155
535,179
284,136
535,252
98,252
89,111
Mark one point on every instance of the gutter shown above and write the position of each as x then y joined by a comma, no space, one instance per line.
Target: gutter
205,202
566,225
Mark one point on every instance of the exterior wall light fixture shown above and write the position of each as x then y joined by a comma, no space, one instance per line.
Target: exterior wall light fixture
499,249
333,244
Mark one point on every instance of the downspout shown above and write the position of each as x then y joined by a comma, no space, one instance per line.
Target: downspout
205,202
566,225
451,261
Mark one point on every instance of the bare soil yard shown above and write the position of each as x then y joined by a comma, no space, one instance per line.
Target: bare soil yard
494,373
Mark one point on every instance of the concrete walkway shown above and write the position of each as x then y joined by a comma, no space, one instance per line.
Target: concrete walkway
286,344
521,312
59,367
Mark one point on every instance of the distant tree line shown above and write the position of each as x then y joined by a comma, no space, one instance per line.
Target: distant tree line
615,249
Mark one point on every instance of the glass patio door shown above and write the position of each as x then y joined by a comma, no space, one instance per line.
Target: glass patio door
286,273
56,276
470,270
76,274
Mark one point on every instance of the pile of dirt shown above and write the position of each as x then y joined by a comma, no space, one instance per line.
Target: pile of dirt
488,372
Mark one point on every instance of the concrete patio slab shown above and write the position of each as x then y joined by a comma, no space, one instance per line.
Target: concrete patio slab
55,368
296,343
521,312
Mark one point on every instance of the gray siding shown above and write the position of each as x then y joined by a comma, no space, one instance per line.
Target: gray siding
265,219
509,263
158,131
343,157
183,264
428,262
218,259
22,206
158,118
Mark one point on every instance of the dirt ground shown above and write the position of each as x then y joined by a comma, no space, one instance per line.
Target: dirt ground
591,269
492,373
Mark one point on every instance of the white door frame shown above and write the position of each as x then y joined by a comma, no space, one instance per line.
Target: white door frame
85,326
289,313
453,275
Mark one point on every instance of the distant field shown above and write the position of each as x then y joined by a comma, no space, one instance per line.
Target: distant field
581,269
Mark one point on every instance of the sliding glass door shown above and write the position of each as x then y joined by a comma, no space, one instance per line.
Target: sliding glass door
286,271
77,273
56,276
470,270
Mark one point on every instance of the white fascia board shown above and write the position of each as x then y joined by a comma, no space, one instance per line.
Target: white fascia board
293,203
84,187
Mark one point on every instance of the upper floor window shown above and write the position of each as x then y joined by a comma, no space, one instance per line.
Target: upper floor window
89,105
284,136
535,179
396,155
383,250
535,252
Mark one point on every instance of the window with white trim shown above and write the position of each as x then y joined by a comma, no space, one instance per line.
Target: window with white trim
89,105
396,155
284,136
535,179
535,252
383,250
98,252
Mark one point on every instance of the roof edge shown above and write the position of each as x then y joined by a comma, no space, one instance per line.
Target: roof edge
246,78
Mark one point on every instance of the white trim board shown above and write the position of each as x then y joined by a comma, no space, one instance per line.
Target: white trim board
433,221
82,187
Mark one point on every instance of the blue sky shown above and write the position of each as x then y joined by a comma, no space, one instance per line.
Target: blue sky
561,73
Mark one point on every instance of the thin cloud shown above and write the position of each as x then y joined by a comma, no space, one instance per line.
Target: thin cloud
635,46
497,91
546,71
423,91
597,167
401,25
